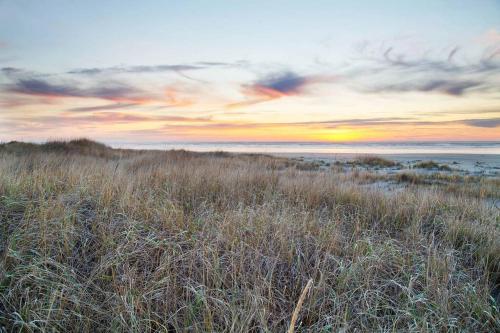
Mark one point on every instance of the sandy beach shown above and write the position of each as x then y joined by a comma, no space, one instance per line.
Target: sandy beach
464,164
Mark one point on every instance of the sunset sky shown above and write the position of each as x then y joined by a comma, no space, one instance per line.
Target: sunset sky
250,70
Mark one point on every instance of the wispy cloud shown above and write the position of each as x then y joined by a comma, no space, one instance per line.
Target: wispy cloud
479,111
393,71
175,99
449,87
181,70
154,68
116,106
350,123
391,59
120,117
99,119
135,69
479,122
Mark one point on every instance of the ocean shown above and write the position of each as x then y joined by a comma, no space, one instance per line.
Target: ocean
323,148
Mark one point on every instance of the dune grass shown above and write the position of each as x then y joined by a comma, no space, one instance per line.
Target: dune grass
375,161
369,161
431,165
95,239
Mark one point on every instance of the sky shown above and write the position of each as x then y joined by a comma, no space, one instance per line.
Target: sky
154,71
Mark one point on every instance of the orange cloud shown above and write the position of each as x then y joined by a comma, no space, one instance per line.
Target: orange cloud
277,86
173,98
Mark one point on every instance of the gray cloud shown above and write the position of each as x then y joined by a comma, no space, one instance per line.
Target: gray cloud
452,53
449,87
40,87
278,85
16,73
486,123
460,112
287,83
9,71
109,90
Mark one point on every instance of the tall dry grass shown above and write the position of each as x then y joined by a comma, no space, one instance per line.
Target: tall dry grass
94,239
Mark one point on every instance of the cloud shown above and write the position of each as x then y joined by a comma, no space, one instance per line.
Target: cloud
489,123
359,121
455,88
179,69
486,123
490,37
452,53
101,107
449,87
114,91
120,117
96,119
22,83
392,60
332,124
460,112
154,68
135,69
49,86
43,88
13,72
278,85
362,122
387,70
215,64
179,125
7,70
16,73
174,99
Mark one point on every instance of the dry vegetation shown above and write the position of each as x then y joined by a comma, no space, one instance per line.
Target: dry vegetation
375,161
431,165
94,239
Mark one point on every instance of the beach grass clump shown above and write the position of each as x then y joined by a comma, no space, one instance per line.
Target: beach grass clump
409,177
96,239
373,161
431,165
